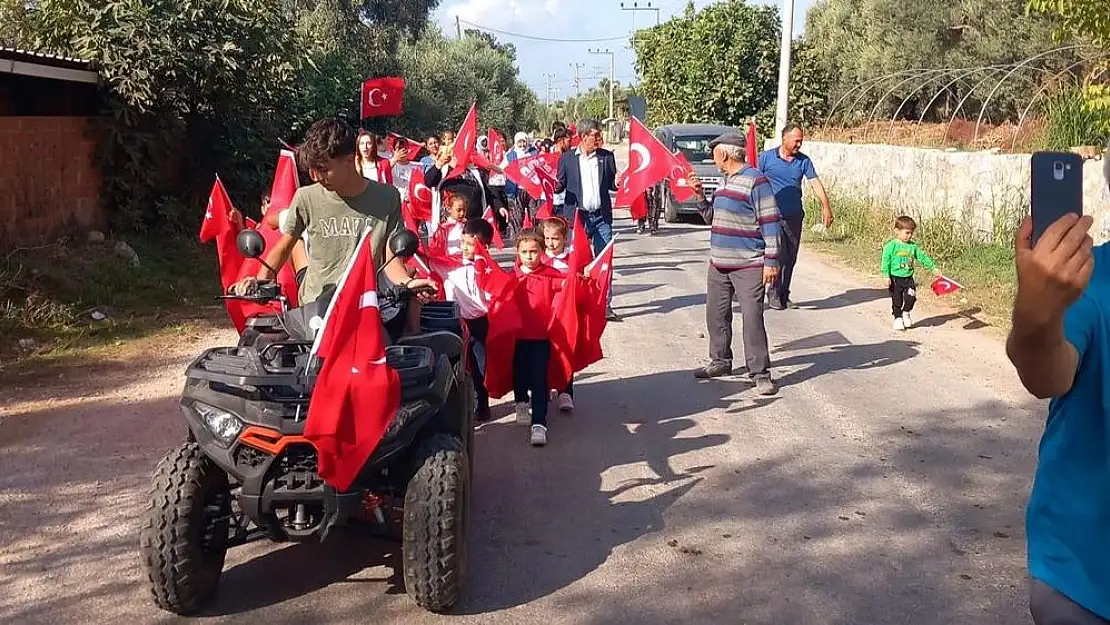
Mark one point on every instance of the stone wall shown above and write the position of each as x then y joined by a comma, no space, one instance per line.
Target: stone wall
977,186
49,181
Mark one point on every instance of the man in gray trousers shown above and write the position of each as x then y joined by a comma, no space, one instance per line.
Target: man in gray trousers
743,259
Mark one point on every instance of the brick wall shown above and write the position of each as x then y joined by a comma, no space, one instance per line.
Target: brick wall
49,181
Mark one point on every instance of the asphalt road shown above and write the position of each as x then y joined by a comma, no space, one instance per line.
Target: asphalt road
884,484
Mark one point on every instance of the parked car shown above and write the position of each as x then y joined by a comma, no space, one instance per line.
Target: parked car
693,141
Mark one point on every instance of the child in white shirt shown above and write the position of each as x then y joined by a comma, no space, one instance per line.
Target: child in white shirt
461,287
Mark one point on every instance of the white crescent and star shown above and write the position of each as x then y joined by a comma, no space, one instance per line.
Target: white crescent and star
645,156
421,196
370,98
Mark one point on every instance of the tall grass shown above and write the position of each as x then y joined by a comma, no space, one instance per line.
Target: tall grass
983,262
48,293
1075,118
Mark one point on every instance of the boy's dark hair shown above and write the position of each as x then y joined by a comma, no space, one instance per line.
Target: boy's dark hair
529,235
479,229
560,134
555,126
558,223
905,222
325,140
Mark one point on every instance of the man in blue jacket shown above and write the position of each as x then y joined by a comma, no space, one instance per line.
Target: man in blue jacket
587,174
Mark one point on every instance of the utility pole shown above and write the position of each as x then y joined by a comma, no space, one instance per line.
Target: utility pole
612,74
547,92
458,27
783,107
577,82
635,6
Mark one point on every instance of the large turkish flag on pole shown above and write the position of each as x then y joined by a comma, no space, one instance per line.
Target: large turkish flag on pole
383,96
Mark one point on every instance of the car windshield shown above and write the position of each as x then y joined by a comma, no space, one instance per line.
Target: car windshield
695,147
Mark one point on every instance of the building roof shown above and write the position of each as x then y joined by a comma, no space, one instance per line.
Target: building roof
44,65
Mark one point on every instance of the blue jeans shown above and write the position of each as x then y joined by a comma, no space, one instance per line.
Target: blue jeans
599,227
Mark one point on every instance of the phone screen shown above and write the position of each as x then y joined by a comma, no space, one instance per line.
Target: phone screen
1055,188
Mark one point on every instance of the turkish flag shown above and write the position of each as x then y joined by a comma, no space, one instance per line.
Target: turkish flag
649,161
498,242
505,314
680,186
218,225
420,197
424,270
564,330
286,181
752,143
465,142
496,147
356,394
286,278
600,271
383,96
529,173
547,210
636,204
945,286
581,248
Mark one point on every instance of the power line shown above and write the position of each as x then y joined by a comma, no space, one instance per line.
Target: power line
548,39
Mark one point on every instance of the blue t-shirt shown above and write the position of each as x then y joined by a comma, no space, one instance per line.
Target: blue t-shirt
1068,519
786,179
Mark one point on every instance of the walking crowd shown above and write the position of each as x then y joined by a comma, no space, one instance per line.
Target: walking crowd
533,327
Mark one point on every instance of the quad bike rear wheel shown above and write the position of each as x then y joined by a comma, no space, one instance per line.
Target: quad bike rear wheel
184,534
434,535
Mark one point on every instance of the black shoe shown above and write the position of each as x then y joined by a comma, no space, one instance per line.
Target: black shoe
713,370
611,315
482,416
775,304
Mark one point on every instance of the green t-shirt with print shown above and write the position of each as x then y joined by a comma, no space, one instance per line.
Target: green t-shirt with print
899,258
332,227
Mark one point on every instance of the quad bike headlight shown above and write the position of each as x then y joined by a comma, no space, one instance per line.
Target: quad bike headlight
223,425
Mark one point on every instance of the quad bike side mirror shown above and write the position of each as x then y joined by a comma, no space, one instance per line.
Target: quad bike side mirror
250,243
404,244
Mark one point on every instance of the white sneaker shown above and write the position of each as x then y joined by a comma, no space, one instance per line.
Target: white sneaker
523,414
566,402
539,435
899,324
907,320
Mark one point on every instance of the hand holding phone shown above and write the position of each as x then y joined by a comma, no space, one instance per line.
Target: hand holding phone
1055,188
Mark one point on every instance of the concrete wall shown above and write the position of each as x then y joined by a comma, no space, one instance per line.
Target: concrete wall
921,181
49,181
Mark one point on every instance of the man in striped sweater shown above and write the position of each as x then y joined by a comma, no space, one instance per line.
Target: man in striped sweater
743,260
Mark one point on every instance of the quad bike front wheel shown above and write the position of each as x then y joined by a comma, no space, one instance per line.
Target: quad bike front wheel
184,534
434,535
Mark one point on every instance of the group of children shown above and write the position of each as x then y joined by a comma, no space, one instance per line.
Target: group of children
541,267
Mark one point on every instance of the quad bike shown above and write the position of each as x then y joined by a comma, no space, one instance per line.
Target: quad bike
246,472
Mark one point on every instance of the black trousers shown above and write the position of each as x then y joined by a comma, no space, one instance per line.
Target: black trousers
479,330
530,376
903,295
790,241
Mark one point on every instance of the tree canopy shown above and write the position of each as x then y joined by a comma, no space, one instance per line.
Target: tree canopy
720,65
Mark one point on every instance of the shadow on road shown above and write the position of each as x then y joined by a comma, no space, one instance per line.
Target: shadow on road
841,357
966,315
851,297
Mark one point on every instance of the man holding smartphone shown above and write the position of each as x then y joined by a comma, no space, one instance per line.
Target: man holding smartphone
1059,344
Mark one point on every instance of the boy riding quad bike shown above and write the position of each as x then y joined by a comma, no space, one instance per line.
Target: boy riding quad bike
247,472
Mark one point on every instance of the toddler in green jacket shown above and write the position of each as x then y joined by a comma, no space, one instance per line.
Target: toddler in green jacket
899,256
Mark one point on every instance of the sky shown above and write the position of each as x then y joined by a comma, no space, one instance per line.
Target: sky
570,19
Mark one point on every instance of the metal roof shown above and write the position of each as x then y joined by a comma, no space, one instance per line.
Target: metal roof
45,65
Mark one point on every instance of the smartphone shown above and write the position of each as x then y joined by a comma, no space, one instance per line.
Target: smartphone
1055,188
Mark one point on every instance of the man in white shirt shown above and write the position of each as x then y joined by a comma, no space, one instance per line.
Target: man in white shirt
587,175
